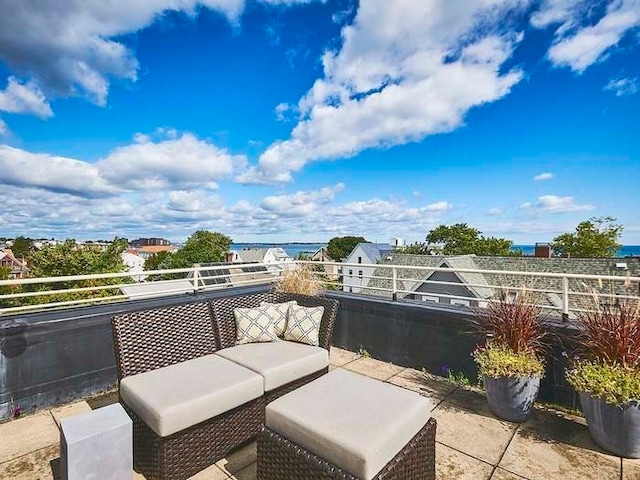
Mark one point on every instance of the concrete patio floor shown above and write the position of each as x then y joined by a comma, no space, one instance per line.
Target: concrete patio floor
471,442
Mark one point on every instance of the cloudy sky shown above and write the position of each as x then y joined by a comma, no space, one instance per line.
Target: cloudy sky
299,120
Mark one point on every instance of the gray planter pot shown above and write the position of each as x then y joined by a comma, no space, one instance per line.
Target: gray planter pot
512,398
614,428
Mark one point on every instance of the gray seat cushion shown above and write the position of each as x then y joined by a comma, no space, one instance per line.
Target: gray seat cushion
354,422
279,362
176,397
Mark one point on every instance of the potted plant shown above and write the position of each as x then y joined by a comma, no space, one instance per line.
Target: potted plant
510,358
606,373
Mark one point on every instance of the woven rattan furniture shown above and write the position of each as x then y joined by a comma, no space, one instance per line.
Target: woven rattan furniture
151,339
347,426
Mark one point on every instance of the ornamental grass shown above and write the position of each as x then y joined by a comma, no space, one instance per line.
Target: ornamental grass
607,362
513,334
300,279
514,321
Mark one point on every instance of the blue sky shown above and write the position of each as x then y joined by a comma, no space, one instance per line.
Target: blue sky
294,120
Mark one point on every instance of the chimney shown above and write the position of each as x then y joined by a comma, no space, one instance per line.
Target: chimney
543,250
229,258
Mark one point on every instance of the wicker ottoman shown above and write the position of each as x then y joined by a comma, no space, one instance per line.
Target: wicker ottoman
347,426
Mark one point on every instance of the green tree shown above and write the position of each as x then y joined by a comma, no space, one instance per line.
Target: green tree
201,247
461,239
22,247
67,258
5,272
158,261
340,247
596,237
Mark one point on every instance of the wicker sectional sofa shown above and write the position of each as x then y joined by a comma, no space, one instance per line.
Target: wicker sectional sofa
193,394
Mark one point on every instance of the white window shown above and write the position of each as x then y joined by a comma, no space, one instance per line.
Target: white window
350,272
430,298
359,259
359,273
462,303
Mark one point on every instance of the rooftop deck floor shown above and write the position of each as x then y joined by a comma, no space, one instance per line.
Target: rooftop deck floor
471,442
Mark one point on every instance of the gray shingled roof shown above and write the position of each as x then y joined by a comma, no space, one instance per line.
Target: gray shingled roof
376,251
582,266
252,255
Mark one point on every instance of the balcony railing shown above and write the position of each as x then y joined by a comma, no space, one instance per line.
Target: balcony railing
560,293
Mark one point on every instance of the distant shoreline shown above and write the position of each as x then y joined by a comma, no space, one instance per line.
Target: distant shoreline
295,248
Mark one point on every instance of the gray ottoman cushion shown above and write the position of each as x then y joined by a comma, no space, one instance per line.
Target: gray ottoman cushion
278,362
176,397
354,422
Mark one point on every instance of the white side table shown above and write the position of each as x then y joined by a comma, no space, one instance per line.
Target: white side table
97,445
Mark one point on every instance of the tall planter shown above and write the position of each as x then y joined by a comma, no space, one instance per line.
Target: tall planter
512,398
614,428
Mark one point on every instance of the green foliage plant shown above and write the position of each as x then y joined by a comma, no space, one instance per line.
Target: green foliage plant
607,361
613,383
458,378
498,361
514,336
596,237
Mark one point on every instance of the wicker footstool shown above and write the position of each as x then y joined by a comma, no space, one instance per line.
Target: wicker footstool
347,426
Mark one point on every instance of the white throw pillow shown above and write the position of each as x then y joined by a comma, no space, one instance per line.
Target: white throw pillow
280,314
255,325
304,324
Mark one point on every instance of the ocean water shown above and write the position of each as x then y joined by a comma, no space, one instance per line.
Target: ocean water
625,250
293,249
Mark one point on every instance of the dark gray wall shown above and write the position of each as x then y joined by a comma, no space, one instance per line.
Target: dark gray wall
54,357
454,287
432,337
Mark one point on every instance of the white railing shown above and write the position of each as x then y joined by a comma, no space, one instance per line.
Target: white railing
563,293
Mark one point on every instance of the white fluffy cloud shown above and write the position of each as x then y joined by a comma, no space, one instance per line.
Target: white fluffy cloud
580,40
622,86
406,70
168,164
57,174
556,204
543,176
72,48
300,203
441,206
24,98
175,162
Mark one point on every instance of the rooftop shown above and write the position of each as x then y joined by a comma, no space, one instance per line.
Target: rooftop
471,442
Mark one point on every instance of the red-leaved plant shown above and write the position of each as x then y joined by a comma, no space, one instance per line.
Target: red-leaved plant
610,334
513,321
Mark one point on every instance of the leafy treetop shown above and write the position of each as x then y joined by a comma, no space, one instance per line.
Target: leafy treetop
201,247
22,247
461,239
340,247
68,259
596,237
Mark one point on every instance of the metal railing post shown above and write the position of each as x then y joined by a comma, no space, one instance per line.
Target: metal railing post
565,299
196,279
394,283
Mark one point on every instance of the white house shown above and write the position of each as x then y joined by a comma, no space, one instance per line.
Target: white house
261,255
135,264
362,263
